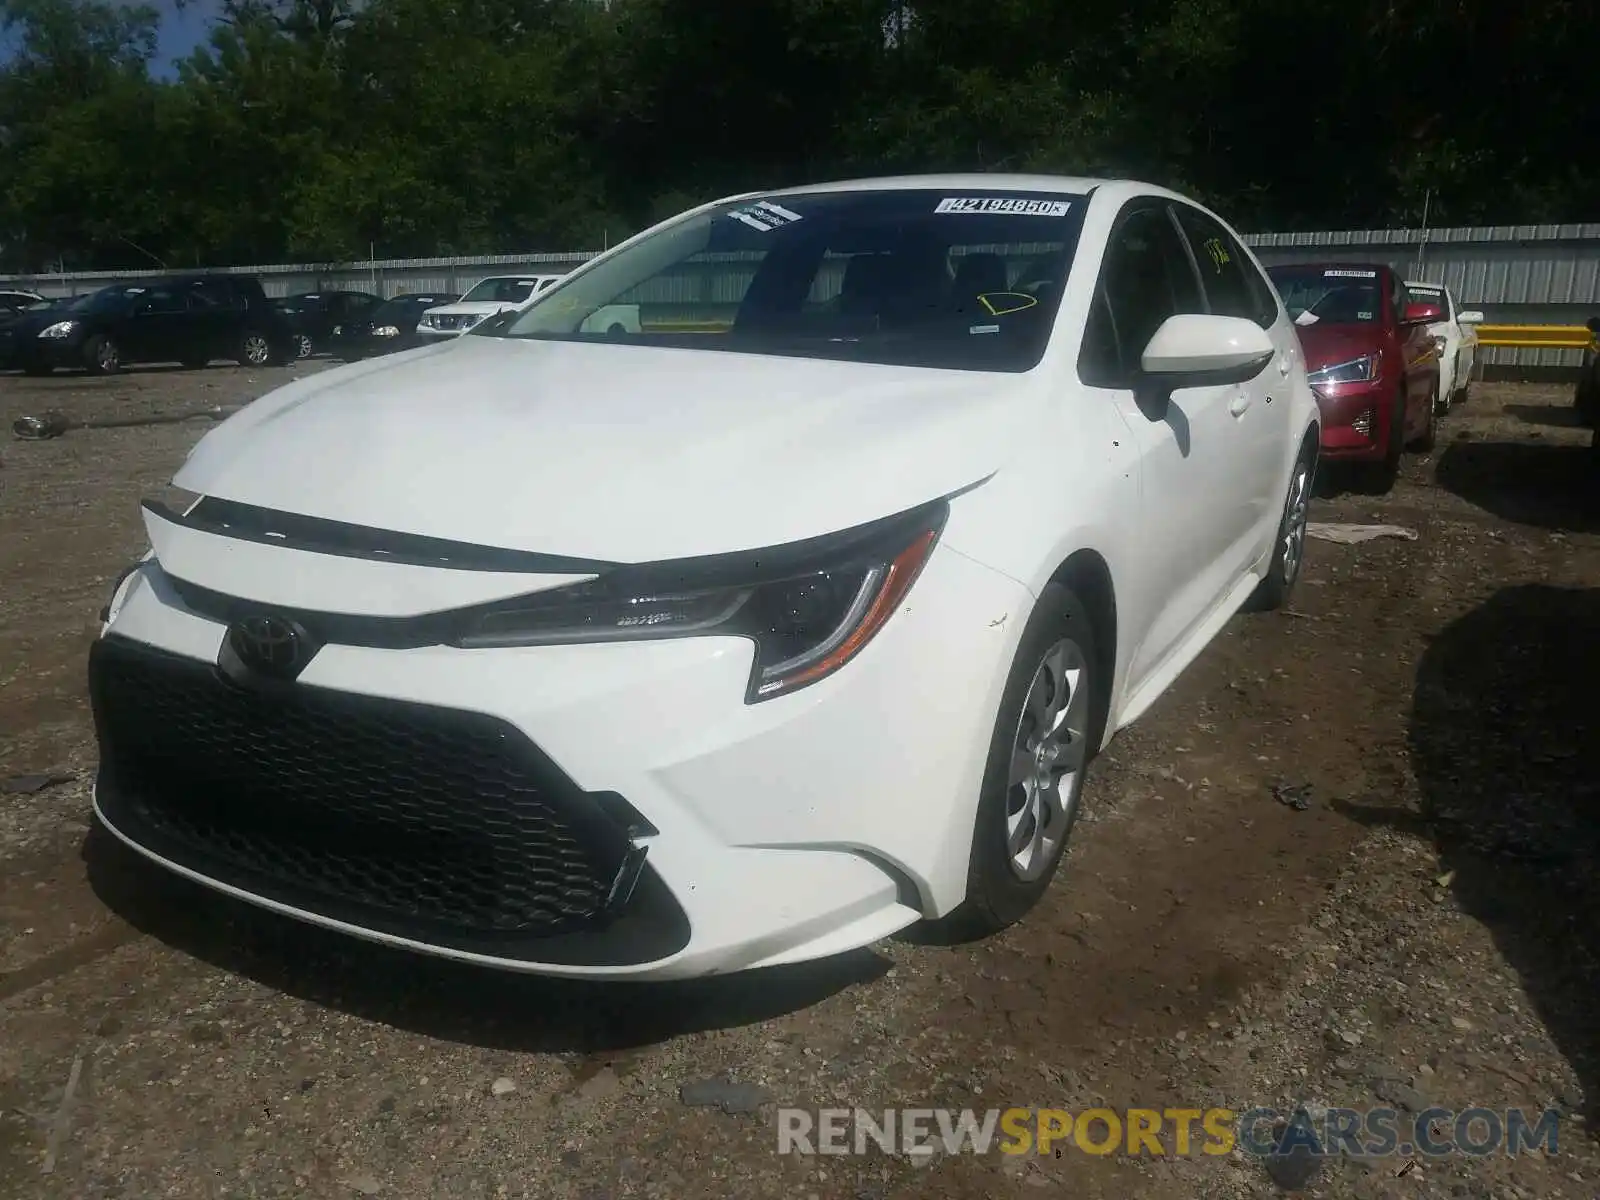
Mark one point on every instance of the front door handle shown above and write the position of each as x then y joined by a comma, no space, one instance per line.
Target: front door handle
1240,402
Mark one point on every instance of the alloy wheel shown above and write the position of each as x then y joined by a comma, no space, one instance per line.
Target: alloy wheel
1047,759
1295,519
302,346
256,350
106,355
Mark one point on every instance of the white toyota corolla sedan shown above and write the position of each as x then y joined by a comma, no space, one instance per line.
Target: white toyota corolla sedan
753,634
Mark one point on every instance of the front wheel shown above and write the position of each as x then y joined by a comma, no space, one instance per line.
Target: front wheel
1425,440
1051,721
102,356
303,347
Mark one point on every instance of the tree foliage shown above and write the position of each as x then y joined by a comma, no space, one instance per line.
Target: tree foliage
325,129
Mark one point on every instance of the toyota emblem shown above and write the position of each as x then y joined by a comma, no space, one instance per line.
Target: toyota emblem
270,646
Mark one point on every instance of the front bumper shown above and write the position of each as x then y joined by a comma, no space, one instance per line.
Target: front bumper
1355,420
35,351
769,833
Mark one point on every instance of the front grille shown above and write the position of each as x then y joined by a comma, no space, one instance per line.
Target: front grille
417,820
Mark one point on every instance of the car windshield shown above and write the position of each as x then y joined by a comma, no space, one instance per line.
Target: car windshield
1336,295
500,291
1433,296
108,299
952,279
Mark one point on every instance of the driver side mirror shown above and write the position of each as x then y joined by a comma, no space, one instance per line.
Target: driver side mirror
1471,317
1201,350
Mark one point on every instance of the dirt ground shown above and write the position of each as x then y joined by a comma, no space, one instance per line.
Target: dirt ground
1426,931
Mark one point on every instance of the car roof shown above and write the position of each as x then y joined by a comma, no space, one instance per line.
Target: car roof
972,181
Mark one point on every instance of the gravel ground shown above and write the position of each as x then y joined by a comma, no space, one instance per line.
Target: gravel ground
1421,927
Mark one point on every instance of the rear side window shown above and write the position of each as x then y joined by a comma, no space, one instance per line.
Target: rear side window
214,294
1234,288
1145,278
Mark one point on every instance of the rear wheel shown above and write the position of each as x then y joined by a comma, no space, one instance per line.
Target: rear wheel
302,345
102,356
1288,554
1051,720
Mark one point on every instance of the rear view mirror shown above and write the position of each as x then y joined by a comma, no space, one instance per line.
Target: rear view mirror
1471,317
1423,314
1195,350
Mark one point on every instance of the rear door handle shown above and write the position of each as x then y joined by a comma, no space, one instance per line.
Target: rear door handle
1240,402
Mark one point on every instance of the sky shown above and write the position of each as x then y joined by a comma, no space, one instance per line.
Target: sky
181,32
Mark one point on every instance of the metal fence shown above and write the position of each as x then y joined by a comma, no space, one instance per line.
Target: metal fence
1517,275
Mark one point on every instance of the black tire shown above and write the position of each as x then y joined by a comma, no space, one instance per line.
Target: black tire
255,349
1429,436
1289,551
999,891
102,356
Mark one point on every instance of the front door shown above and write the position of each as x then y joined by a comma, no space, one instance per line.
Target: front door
153,325
1234,287
1195,505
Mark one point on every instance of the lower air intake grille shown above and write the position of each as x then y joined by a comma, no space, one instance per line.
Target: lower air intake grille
424,821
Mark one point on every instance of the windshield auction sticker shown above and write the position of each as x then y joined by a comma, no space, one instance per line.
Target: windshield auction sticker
765,215
1343,274
1007,205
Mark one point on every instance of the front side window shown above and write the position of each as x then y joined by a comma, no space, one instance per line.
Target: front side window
1146,278
1335,295
918,278
1233,286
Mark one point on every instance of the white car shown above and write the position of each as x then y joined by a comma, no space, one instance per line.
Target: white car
484,299
1457,336
653,655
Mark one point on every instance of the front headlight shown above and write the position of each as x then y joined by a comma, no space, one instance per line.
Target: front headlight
429,321
809,607
60,329
1356,370
386,331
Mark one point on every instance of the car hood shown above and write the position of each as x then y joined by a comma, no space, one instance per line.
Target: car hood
620,453
1326,344
478,308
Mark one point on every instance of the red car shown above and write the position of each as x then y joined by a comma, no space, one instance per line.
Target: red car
1369,357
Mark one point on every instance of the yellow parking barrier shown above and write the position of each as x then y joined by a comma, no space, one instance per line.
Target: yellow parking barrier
1541,337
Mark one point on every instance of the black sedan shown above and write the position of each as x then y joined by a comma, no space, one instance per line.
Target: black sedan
388,328
314,315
